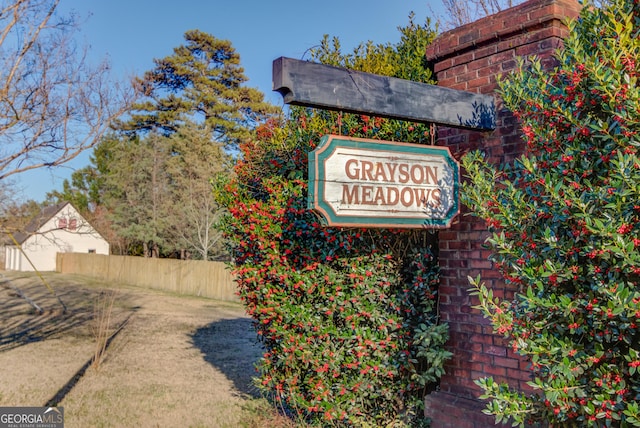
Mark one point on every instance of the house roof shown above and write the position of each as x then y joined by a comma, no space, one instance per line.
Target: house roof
38,221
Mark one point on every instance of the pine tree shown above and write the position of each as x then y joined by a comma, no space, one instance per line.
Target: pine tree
201,82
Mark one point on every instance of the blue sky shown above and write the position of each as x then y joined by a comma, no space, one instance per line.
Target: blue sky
131,33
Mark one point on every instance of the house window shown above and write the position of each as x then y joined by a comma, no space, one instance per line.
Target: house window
73,224
62,223
92,251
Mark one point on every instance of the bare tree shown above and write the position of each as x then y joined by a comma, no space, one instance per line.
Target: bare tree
460,12
195,161
53,104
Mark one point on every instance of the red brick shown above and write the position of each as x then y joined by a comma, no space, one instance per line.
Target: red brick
550,44
478,64
518,20
481,358
501,57
458,245
491,70
443,65
462,59
481,264
495,350
485,338
522,375
478,82
455,71
485,52
490,88
449,83
507,362
491,27
528,50
446,235
491,370
470,36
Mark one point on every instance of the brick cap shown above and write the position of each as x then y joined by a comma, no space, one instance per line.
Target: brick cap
518,19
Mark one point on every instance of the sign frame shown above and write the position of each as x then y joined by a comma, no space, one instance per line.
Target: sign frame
332,146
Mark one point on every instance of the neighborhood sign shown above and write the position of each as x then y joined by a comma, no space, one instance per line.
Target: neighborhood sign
355,182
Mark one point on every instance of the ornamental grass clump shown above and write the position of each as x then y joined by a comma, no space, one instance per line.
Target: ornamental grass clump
565,228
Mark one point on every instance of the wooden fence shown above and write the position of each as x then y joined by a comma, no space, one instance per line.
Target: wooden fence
190,277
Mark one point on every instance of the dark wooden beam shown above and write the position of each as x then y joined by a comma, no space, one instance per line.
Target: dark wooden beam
322,86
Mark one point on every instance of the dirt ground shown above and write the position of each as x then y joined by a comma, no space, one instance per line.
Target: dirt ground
174,360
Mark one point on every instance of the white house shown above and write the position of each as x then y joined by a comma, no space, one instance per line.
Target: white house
58,229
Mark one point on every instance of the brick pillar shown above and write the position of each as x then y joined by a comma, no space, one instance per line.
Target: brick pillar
469,58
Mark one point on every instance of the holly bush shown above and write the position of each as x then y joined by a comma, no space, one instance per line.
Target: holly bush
347,316
564,222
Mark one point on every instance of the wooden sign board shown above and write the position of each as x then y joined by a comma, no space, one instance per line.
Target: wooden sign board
322,86
355,182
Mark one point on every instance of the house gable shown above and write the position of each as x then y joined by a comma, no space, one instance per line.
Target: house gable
38,222
59,228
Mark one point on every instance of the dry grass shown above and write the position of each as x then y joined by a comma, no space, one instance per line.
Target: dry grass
259,413
178,361
101,328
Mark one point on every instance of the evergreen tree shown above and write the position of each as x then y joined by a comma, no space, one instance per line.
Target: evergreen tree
201,82
194,161
138,191
81,191
150,181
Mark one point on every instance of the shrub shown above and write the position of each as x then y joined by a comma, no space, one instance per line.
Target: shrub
347,316
565,227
